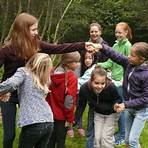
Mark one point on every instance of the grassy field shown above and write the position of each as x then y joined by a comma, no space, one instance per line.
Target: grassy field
79,142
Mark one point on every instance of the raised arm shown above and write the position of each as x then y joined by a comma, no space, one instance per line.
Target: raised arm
13,82
65,47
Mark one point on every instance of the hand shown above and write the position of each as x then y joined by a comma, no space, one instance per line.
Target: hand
119,107
68,124
92,47
5,97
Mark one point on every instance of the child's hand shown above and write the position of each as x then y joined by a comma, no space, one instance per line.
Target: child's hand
5,97
119,107
68,124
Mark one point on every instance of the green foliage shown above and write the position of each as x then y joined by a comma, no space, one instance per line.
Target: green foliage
1,72
80,142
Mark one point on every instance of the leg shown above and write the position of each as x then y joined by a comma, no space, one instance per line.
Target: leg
108,130
43,142
138,124
99,121
129,117
90,129
120,134
8,110
59,135
34,135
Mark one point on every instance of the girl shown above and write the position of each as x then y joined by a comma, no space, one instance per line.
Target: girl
62,98
101,95
95,37
122,45
22,45
135,88
87,60
35,115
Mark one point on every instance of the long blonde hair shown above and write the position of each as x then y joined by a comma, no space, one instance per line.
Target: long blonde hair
20,39
38,66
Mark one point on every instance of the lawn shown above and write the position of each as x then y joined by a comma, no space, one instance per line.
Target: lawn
79,142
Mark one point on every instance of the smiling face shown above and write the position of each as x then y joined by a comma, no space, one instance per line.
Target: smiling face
98,83
95,33
120,33
34,30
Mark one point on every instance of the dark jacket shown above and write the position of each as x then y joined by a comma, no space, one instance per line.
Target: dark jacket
135,82
101,103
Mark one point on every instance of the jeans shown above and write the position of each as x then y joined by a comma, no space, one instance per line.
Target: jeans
121,121
57,140
8,110
35,135
90,129
134,123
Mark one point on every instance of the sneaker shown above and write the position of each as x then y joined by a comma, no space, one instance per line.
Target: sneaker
81,132
120,142
70,133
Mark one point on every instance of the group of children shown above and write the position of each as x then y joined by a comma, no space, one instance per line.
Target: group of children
48,95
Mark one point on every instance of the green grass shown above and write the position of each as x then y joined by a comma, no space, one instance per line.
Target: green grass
79,142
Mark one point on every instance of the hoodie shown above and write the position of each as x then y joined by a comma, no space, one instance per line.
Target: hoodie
62,97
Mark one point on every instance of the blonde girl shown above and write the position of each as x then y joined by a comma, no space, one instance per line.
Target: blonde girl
35,115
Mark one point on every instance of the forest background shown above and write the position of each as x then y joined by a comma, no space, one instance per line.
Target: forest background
68,21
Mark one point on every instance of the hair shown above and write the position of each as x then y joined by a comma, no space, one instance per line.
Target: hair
70,57
126,27
98,71
95,24
83,66
20,39
38,65
141,49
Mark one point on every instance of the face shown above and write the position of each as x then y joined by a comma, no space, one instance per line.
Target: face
73,65
95,33
88,59
34,30
98,83
120,33
134,59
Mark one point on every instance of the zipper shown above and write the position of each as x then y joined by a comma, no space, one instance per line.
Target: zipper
128,85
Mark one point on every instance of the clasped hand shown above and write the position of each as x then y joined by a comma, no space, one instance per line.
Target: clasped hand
92,47
119,107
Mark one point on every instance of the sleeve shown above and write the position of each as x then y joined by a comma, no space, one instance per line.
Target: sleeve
82,102
115,56
13,82
106,65
61,48
86,76
142,100
115,95
70,98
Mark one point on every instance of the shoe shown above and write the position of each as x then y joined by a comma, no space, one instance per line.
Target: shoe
81,132
120,142
70,133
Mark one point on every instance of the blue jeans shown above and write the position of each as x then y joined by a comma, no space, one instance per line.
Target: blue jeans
8,110
134,123
90,129
121,121
35,135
